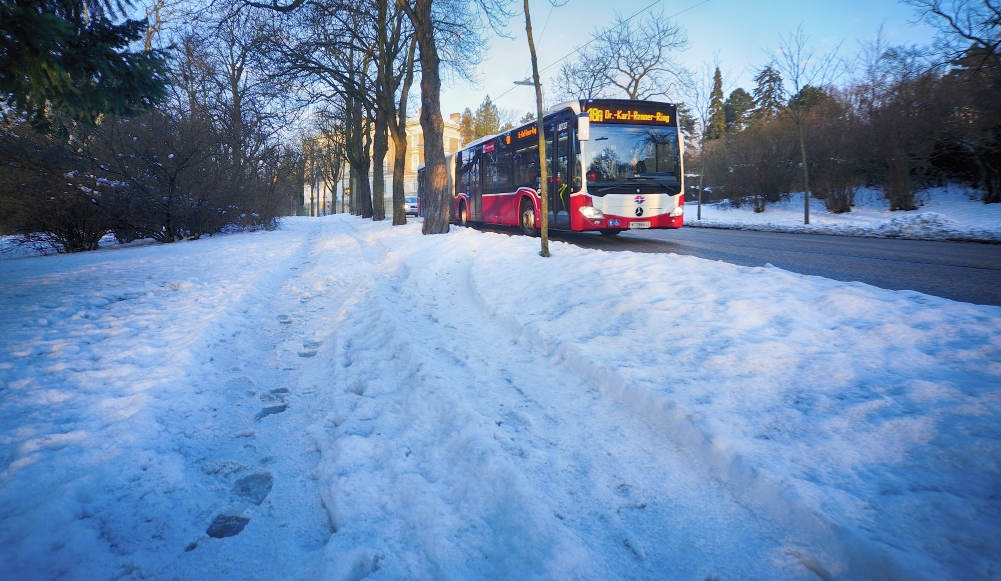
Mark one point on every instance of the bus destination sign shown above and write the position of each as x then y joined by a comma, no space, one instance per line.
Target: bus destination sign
642,113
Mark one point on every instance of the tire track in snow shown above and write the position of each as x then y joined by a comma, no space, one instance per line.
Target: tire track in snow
523,441
816,542
406,459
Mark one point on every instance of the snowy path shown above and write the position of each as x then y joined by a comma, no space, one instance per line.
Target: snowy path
346,400
506,453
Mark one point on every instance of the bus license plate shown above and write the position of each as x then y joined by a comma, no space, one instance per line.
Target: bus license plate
639,224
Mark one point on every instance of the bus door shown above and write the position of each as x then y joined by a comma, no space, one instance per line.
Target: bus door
475,189
558,164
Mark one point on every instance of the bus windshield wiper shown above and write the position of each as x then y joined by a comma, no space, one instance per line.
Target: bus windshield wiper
660,179
607,188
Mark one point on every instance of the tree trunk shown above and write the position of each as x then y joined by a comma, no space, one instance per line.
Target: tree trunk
806,176
364,166
353,184
399,134
380,146
543,173
702,171
365,192
436,182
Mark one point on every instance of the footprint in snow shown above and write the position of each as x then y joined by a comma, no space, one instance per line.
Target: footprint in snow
285,319
275,395
309,347
226,526
270,411
254,488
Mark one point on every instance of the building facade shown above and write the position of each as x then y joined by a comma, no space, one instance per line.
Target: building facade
320,197
415,153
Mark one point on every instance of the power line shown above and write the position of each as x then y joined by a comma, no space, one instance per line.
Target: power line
585,45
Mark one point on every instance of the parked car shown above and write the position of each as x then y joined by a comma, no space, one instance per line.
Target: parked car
411,205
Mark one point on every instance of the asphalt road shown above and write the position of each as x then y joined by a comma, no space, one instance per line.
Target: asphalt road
960,271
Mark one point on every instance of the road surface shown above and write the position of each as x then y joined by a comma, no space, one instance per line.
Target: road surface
960,271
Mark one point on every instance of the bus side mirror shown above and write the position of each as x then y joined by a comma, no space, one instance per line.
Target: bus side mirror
583,127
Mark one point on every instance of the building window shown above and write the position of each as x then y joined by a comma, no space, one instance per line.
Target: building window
416,160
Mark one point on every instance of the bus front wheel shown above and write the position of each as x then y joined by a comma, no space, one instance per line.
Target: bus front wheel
528,219
463,214
611,232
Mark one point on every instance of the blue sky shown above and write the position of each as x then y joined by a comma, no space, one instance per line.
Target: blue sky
739,30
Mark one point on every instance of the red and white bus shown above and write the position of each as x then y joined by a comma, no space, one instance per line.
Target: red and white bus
613,165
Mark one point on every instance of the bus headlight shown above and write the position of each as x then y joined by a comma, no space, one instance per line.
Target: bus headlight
591,213
679,211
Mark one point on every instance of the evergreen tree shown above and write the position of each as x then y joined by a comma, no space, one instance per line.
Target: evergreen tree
768,93
65,60
530,116
487,119
738,109
809,97
686,120
717,114
466,126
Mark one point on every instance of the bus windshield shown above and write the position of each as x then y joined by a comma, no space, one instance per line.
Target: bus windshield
625,158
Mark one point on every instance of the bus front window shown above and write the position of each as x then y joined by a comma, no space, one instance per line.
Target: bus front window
623,158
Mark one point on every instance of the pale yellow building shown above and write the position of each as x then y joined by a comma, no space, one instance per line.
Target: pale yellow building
415,153
322,198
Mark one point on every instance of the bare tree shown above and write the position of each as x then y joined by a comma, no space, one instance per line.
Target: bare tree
587,78
836,139
446,31
430,19
964,24
541,130
640,63
759,163
803,70
395,75
700,90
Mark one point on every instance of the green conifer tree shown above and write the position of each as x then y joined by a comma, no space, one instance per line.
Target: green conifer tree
686,120
717,114
738,109
65,61
768,93
487,119
466,126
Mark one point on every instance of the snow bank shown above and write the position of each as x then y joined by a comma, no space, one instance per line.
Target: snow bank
344,399
950,213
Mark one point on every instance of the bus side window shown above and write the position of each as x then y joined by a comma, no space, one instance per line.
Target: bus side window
502,172
489,171
526,168
461,177
474,176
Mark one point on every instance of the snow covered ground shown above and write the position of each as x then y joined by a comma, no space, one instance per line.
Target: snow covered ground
950,213
342,400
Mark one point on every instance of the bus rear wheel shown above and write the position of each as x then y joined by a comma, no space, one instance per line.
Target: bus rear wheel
528,218
611,232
